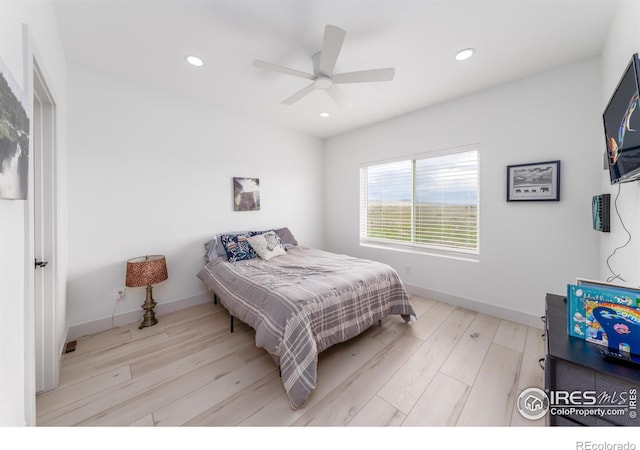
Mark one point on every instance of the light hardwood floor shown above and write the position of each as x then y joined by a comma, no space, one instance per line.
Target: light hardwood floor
451,367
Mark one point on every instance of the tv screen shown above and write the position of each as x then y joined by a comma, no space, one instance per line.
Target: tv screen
622,126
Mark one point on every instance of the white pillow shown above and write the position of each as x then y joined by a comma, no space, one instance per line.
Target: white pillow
267,245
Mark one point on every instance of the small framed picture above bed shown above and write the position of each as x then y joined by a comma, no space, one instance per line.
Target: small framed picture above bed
246,194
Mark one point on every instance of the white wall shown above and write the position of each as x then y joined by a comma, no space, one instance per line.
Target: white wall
150,173
622,42
17,394
526,248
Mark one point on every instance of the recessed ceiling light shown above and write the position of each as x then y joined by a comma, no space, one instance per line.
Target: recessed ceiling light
465,53
324,114
194,60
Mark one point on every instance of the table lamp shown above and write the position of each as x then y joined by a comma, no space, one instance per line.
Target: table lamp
145,271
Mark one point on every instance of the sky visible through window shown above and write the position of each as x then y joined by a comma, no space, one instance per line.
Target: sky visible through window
448,179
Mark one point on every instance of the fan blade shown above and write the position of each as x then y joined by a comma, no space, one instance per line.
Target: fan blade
282,69
336,93
298,95
331,45
363,76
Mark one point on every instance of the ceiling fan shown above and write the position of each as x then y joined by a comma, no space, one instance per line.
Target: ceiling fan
324,63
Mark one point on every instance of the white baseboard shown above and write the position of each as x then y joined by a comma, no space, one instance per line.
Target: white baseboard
96,326
485,308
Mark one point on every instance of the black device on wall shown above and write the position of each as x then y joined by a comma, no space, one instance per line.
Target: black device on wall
600,207
622,126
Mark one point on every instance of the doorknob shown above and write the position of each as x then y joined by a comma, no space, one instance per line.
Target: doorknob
41,263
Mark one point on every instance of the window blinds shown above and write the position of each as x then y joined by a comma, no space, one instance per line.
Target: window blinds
430,201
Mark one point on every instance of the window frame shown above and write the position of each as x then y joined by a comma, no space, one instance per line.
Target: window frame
412,246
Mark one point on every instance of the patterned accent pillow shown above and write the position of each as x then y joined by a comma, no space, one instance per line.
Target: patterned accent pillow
267,245
237,246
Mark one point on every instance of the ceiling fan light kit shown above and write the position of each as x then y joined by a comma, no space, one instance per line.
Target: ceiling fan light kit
322,82
324,63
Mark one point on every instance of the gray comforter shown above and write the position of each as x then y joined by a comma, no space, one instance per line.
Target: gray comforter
304,302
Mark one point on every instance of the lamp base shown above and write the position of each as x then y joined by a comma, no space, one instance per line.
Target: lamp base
149,318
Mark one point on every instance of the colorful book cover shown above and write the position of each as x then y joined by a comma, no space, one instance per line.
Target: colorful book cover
613,325
608,316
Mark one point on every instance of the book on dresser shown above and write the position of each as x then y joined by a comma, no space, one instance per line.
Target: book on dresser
605,315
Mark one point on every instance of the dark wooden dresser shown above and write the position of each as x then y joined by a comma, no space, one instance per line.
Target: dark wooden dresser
572,364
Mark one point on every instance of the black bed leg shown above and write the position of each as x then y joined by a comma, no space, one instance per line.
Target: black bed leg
380,322
215,299
231,324
280,371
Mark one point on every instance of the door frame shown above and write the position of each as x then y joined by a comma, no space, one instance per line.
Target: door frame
43,322
47,364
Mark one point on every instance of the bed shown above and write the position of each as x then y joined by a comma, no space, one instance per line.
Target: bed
301,302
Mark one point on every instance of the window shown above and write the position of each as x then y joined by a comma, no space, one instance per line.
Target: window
430,202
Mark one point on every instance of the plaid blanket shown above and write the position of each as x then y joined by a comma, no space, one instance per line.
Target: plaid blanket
304,302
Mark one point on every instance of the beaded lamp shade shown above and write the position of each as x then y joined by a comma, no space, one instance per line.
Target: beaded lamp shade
146,270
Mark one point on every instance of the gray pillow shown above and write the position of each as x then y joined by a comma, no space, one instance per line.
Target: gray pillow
211,251
286,237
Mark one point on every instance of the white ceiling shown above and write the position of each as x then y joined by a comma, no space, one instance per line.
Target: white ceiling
146,41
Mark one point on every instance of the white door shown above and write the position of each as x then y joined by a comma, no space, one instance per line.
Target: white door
47,351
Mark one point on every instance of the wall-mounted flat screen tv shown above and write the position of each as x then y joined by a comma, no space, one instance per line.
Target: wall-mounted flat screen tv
622,126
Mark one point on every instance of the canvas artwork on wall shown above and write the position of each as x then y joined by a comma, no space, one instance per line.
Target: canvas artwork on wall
246,194
14,139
